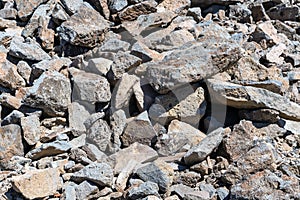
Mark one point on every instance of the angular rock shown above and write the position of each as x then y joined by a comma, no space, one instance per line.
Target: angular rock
183,103
31,129
26,8
99,66
8,13
179,135
24,70
85,28
220,2
284,13
132,12
117,5
122,179
9,76
199,152
139,130
11,144
28,50
189,193
261,115
114,45
99,133
29,184
72,6
13,118
158,172
50,92
84,190
98,173
10,101
89,87
275,52
136,152
77,116
143,190
93,152
118,124
49,149
249,97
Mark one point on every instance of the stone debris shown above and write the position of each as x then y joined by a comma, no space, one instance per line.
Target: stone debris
149,99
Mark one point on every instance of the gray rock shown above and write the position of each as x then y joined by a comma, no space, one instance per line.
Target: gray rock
31,129
249,97
85,189
183,103
188,193
143,190
220,2
98,173
223,193
8,13
139,130
89,87
77,116
12,118
50,92
158,172
179,135
260,115
24,70
136,152
85,28
78,142
99,66
29,50
49,149
117,5
99,133
72,6
26,8
9,76
94,153
11,144
199,152
114,45
118,124
284,12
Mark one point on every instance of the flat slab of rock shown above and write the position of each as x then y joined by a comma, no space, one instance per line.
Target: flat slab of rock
199,152
38,183
250,97
50,92
85,28
98,173
137,152
10,143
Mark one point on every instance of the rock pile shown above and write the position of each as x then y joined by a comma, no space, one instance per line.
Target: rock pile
149,99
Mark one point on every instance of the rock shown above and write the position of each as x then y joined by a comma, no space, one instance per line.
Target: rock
73,31
50,92
117,5
275,52
195,13
176,68
190,179
10,101
177,105
179,135
98,173
139,130
118,124
8,13
25,9
99,66
199,152
28,50
294,75
132,12
11,144
24,70
136,152
13,118
84,190
145,189
180,7
31,129
89,87
45,34
72,6
78,142
249,97
260,115
49,149
292,126
188,193
29,184
123,62
99,133
220,2
5,23
122,179
223,193
77,116
114,45
9,76
284,13
55,64
158,172
94,153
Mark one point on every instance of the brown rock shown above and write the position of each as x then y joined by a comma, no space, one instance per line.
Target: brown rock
26,8
9,76
31,129
134,11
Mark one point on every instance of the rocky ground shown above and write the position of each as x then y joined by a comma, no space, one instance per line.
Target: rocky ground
149,99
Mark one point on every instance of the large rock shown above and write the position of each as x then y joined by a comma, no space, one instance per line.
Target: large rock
89,87
26,8
250,97
158,172
9,76
98,173
139,130
132,12
11,144
28,50
85,28
183,103
136,152
50,92
38,183
199,152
